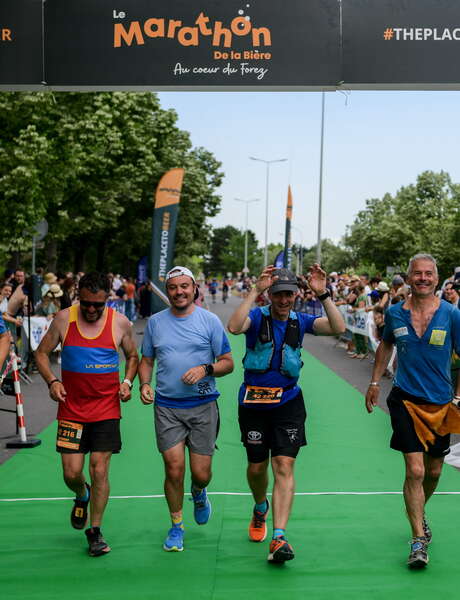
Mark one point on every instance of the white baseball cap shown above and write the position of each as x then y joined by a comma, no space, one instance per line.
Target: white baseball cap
178,271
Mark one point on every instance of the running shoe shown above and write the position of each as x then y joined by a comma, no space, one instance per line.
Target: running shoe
418,557
97,545
258,525
79,514
175,540
427,530
202,507
280,550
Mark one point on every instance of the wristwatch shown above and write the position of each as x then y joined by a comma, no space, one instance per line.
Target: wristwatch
209,369
128,381
324,296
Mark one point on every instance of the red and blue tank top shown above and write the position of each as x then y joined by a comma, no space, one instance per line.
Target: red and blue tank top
90,372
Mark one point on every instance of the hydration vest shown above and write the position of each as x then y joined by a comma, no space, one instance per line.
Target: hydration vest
258,359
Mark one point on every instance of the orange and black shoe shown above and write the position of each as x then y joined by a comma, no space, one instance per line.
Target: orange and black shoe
280,550
79,514
258,525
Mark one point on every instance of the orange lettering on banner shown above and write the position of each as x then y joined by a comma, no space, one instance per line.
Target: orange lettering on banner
220,31
6,35
120,33
188,36
159,24
172,26
240,26
257,33
201,21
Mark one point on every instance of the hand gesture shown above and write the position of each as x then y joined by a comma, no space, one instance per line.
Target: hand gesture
372,397
317,279
194,375
125,392
146,394
57,391
266,279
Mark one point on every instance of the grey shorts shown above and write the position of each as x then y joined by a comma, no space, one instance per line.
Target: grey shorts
198,426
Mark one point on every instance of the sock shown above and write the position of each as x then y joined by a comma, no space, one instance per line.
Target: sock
278,533
95,529
176,520
262,507
196,490
84,498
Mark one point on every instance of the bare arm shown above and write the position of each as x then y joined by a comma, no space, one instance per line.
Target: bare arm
223,366
382,358
132,360
240,322
4,347
145,377
332,323
49,342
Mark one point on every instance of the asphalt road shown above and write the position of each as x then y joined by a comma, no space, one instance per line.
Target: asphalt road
40,410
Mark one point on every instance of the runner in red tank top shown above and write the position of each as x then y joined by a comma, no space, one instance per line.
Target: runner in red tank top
89,396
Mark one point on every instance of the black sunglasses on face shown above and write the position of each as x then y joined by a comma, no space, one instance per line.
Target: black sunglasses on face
87,304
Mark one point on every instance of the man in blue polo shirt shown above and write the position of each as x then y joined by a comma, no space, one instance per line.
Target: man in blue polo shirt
191,348
271,406
422,402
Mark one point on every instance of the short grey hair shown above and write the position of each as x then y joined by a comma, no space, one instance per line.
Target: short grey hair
422,256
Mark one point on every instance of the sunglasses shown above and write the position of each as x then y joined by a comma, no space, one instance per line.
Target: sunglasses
87,304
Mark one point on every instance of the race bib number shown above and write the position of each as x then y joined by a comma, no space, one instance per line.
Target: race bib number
69,435
438,337
262,395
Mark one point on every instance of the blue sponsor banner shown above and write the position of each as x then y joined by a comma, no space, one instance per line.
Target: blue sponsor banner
142,266
118,305
279,260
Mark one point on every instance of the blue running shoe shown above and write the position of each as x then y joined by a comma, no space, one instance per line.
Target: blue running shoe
175,540
202,507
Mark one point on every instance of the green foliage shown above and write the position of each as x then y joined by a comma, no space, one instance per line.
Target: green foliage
89,163
424,217
334,257
226,252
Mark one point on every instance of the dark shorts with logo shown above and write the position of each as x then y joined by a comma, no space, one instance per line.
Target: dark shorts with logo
81,438
405,438
277,431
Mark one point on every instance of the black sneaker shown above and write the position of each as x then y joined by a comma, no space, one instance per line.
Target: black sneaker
280,550
97,545
79,514
418,557
427,530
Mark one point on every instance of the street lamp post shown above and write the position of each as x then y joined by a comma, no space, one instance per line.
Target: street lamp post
247,202
300,253
320,199
267,163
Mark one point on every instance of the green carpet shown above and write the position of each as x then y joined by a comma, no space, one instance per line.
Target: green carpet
347,546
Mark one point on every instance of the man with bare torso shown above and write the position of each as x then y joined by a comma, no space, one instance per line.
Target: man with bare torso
422,401
89,396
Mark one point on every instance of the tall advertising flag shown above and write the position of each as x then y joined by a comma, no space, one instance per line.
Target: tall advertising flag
287,235
167,198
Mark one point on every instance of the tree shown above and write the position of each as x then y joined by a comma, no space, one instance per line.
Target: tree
227,251
89,163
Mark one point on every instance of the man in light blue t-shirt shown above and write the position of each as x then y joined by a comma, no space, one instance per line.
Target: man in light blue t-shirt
191,348
425,331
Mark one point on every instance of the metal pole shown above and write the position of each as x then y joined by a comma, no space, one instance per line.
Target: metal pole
246,241
266,215
320,203
267,163
33,255
247,202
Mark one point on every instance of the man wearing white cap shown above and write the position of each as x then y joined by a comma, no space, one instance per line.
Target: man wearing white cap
191,349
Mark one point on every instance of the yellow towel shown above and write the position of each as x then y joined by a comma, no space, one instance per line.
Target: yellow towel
433,418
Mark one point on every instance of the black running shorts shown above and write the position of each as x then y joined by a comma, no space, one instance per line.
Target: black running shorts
405,438
279,431
80,438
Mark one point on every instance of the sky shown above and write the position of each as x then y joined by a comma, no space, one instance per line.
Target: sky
374,142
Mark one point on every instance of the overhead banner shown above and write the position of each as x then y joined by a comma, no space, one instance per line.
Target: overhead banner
21,56
401,43
165,213
211,43
287,233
